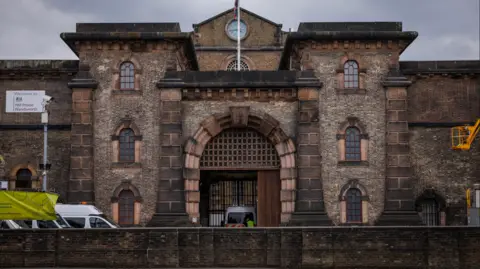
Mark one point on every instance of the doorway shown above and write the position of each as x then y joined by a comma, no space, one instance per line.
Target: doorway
240,167
220,190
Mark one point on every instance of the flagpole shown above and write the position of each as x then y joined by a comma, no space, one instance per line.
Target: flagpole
238,36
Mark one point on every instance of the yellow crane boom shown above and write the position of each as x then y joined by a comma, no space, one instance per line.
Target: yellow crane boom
463,136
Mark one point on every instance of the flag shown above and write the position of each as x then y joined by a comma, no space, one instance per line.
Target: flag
235,10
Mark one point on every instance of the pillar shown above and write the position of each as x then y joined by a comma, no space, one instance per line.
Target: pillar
399,207
80,184
309,206
170,209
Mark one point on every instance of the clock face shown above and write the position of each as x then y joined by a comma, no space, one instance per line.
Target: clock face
232,29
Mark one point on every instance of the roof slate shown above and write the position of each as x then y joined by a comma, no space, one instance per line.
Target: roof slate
129,27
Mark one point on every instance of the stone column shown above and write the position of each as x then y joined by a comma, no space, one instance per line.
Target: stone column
171,195
399,208
309,207
80,185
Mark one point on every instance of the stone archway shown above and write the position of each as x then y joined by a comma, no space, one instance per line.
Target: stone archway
239,117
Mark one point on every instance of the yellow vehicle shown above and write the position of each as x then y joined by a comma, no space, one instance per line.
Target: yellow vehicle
463,136
20,205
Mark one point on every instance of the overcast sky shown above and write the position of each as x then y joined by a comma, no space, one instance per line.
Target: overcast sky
448,29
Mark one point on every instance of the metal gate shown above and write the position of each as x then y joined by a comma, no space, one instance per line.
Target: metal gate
430,215
226,193
230,158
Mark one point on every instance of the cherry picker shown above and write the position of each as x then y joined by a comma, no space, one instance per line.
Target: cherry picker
463,136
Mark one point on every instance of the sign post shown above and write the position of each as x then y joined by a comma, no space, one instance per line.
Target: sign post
24,101
32,102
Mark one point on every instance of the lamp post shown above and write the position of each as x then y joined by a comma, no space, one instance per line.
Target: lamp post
45,166
45,141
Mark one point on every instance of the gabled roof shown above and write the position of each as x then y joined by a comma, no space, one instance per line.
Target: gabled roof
231,10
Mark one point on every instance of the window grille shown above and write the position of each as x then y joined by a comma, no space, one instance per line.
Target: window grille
126,207
239,149
127,76
127,146
232,66
430,215
352,144
351,74
354,205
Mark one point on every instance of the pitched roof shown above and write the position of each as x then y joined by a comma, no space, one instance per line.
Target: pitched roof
231,10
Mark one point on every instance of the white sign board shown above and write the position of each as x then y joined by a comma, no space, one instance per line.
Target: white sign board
24,101
3,185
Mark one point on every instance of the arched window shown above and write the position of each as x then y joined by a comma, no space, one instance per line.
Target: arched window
24,179
350,73
127,76
354,206
430,212
126,207
126,145
232,66
352,144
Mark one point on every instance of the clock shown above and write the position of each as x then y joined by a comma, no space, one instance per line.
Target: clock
232,29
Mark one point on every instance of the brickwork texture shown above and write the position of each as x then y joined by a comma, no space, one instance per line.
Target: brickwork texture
376,248
405,131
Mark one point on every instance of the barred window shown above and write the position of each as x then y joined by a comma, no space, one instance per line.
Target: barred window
352,144
127,146
232,66
127,76
239,147
24,179
429,213
126,207
354,205
351,74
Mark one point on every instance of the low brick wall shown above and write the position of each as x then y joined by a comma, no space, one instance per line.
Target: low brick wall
339,247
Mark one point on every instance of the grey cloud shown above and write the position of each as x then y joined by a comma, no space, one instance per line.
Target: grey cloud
448,29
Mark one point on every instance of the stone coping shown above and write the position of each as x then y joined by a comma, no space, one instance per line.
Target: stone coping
129,27
442,67
40,65
350,26
242,79
295,37
71,38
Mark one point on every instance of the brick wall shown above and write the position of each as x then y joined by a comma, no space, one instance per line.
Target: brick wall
22,133
110,108
259,32
335,107
453,247
438,98
436,166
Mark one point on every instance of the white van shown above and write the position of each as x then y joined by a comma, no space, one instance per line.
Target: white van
84,216
239,214
59,223
9,225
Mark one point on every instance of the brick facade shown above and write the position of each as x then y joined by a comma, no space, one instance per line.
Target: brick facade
446,247
297,94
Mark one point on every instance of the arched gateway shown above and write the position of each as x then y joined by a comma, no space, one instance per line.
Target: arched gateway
244,141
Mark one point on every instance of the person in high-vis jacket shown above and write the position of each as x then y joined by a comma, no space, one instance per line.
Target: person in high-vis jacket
249,220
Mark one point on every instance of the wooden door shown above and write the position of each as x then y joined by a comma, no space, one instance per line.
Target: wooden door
269,205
